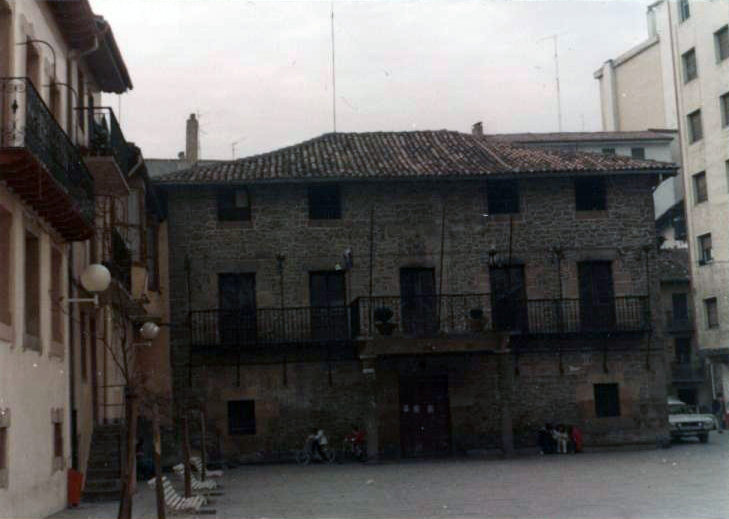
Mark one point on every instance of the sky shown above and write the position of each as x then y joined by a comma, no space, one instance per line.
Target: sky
259,73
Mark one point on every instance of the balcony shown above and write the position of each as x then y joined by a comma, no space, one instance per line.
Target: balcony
688,372
109,156
40,163
120,263
449,315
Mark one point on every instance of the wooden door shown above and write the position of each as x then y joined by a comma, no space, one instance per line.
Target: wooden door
597,298
418,301
237,307
424,415
327,296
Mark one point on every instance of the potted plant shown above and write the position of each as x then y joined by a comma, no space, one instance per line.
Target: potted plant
476,320
382,316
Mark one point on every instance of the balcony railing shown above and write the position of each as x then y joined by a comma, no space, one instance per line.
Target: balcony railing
245,327
107,139
120,263
450,314
26,122
688,371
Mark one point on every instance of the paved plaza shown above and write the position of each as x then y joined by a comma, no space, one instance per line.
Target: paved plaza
690,480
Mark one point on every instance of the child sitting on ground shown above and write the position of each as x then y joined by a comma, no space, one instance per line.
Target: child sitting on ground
560,436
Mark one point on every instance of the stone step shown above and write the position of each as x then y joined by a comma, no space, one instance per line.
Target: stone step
101,495
102,485
109,472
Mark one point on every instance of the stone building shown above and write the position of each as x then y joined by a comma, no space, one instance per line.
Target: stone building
522,284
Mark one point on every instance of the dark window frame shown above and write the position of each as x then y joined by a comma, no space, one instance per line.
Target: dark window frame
689,65
325,202
637,152
229,207
724,109
722,51
711,307
608,151
705,253
695,126
607,400
502,196
245,424
590,194
684,11
701,192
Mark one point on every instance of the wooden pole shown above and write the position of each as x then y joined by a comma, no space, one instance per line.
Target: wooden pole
203,454
129,474
158,490
186,454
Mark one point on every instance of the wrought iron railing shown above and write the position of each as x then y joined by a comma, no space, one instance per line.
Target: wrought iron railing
26,122
107,139
688,371
120,263
453,314
245,327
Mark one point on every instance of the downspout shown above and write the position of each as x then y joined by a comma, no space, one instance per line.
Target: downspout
72,367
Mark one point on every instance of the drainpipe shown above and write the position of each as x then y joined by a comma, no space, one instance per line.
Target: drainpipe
72,367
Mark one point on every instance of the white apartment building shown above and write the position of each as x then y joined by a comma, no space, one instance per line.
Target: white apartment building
55,60
679,78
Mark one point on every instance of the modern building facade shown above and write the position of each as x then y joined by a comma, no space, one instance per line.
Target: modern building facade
679,78
508,308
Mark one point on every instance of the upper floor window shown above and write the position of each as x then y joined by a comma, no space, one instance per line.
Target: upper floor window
712,313
607,400
721,43
608,151
152,254
637,153
724,109
690,71
696,132
324,202
679,303
590,194
6,221
705,249
700,191
234,204
56,302
32,292
684,13
502,196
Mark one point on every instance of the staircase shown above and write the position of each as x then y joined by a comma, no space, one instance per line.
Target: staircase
103,473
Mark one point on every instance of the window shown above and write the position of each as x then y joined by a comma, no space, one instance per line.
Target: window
6,221
57,428
721,43
324,203
234,205
84,346
4,426
688,59
152,254
682,350
700,191
705,249
81,94
502,196
32,292
241,417
696,132
726,167
607,400
684,13
608,151
724,109
590,194
712,314
637,153
56,302
679,303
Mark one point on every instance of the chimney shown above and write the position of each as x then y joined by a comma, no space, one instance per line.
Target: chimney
191,142
477,129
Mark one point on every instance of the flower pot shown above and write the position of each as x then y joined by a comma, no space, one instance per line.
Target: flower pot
386,328
476,325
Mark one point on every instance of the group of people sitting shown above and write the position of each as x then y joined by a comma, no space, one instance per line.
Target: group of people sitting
560,440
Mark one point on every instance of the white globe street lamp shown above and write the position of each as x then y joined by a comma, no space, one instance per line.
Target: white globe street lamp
95,279
149,331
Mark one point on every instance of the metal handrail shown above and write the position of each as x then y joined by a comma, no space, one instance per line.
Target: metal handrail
106,137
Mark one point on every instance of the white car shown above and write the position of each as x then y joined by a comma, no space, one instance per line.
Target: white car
685,420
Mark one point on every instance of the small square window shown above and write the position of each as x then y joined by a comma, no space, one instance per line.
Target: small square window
690,71
234,205
696,132
705,249
590,194
637,153
724,109
684,13
700,190
608,151
502,196
241,417
712,313
57,429
721,43
324,202
607,400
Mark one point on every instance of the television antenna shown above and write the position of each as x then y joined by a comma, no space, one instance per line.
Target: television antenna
554,38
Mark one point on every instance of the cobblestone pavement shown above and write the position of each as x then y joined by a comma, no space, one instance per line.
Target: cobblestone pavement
690,480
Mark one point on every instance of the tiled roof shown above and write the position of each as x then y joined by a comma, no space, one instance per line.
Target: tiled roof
673,264
647,135
406,155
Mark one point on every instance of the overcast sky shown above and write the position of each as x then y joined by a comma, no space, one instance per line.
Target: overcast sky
259,73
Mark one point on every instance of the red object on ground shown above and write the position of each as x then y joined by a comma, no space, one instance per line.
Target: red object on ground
577,438
75,481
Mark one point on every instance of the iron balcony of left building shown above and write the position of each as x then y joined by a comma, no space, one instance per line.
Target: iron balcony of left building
108,155
39,162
